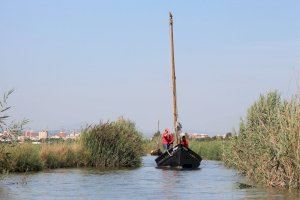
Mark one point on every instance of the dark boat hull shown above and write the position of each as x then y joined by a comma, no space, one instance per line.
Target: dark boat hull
179,156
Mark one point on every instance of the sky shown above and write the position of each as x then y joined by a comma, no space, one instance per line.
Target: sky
73,63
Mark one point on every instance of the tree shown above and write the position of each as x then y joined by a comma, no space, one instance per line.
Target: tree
12,129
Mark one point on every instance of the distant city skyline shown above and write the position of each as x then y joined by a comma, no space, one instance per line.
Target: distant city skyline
75,63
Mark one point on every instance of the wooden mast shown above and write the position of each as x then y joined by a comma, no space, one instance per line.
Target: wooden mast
175,112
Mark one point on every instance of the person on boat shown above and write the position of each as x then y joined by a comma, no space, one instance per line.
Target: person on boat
165,138
184,142
171,141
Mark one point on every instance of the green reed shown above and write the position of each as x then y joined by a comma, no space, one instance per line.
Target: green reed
210,149
114,144
109,145
267,149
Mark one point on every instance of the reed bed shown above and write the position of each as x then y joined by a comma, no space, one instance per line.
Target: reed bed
62,155
110,145
210,149
267,149
115,144
19,158
152,144
32,157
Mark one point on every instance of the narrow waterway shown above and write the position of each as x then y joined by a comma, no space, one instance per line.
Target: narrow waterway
211,181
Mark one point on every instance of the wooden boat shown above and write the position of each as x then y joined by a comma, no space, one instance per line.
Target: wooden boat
179,156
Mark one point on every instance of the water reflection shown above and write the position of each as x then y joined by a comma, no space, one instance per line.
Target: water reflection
169,179
212,181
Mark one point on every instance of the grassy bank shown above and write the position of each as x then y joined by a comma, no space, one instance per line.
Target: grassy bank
267,149
109,145
209,150
32,157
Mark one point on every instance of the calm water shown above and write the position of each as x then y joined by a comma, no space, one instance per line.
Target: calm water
211,181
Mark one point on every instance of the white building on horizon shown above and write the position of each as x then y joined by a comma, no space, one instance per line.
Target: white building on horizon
198,135
43,135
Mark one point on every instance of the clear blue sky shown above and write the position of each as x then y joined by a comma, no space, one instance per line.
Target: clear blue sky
77,62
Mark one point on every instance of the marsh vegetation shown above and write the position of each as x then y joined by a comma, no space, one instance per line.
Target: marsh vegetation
108,145
267,149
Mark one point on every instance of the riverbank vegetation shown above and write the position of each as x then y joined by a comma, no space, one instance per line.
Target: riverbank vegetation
108,145
267,149
116,144
267,146
35,157
210,149
152,144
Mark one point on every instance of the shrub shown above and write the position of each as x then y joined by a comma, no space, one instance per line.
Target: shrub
114,144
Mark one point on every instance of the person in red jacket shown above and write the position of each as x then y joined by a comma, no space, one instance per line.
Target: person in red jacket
171,141
184,142
166,139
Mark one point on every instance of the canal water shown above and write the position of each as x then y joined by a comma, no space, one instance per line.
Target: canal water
211,181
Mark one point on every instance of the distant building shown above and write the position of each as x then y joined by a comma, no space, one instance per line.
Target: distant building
61,134
27,134
31,135
54,137
225,136
6,136
21,138
43,135
73,136
198,136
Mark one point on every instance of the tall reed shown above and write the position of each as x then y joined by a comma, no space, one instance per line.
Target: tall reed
210,149
267,148
59,155
114,144
154,143
20,158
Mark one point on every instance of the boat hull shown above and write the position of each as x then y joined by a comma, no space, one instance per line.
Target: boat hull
179,156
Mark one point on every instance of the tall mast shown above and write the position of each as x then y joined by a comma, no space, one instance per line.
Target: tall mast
175,112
